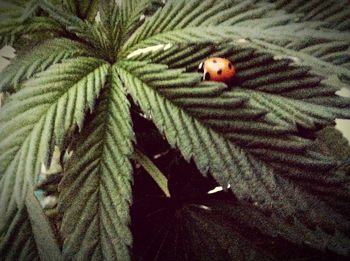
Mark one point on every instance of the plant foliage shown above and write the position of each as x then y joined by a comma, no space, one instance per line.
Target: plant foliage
110,83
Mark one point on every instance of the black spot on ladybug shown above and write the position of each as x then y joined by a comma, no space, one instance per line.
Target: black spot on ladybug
219,71
207,76
230,65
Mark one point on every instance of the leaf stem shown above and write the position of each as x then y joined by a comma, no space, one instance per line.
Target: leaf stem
152,170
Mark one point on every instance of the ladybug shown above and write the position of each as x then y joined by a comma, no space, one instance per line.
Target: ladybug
217,69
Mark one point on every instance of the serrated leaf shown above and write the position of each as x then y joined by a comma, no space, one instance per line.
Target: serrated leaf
17,9
180,23
96,188
215,226
17,241
24,66
25,233
42,113
86,9
132,12
11,30
277,98
92,33
168,96
18,20
185,22
334,14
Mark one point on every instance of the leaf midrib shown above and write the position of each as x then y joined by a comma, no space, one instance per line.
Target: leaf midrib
52,106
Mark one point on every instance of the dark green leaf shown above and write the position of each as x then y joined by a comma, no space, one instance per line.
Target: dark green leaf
96,188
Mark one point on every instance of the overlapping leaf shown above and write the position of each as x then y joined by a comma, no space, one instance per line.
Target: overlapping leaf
19,19
96,188
88,32
122,19
197,224
183,110
17,241
266,82
195,21
274,88
39,59
200,21
250,134
86,9
40,115
25,233
334,14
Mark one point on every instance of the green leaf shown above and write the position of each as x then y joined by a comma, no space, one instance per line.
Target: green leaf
121,20
11,30
327,57
17,241
20,20
42,113
96,188
45,241
226,225
334,14
214,225
252,24
334,143
132,13
90,33
195,21
86,9
25,233
274,93
17,9
181,108
153,171
25,65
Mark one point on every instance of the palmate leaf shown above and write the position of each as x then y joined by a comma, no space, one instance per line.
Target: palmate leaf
131,14
262,153
122,19
274,104
195,21
201,21
261,76
171,98
25,65
40,115
96,188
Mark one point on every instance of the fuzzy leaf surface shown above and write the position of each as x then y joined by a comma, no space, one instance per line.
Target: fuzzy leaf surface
96,188
25,233
177,102
334,14
42,113
25,65
202,21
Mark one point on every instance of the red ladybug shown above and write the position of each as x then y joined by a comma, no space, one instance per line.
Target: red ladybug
217,69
